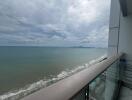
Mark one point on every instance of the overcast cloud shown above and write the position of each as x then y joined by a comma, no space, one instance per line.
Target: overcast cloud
54,22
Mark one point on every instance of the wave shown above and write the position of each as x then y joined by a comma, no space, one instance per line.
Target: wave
17,94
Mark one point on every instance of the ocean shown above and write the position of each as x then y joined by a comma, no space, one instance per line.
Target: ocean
24,70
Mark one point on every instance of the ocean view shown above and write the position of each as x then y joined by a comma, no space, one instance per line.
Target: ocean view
30,68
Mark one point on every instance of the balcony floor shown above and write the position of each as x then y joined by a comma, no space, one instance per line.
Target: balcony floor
125,94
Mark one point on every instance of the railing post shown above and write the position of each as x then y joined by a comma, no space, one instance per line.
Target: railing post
87,93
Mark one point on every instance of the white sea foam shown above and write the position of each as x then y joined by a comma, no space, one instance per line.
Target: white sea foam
14,95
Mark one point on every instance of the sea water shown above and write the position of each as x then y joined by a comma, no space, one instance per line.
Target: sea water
24,70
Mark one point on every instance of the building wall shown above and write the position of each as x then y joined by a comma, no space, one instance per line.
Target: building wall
125,37
125,45
120,38
113,42
114,28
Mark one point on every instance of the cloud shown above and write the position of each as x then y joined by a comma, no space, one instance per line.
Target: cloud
97,37
54,22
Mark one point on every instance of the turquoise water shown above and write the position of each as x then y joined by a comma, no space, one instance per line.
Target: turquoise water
20,66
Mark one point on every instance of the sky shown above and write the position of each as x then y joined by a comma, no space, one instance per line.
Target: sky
54,23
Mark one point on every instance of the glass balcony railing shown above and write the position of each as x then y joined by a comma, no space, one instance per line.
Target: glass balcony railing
103,87
98,82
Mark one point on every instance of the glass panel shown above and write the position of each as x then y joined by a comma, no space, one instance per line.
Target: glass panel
82,95
97,88
104,86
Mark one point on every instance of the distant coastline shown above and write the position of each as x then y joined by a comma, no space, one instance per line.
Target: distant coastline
55,46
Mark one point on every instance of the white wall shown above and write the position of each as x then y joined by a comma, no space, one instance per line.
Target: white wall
125,36
120,38
125,45
114,28
113,42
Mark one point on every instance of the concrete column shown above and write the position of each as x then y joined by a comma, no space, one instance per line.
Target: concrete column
114,28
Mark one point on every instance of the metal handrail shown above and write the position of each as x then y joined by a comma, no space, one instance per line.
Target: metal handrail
70,86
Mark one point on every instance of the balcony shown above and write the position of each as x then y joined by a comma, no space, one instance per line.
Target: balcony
100,81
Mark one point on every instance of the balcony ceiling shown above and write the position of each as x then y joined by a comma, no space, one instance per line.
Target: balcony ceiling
126,7
129,6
